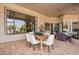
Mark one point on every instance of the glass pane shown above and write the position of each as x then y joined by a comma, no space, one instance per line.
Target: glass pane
65,27
75,26
20,26
47,26
10,20
10,14
56,27
20,16
10,28
30,25
36,26
75,30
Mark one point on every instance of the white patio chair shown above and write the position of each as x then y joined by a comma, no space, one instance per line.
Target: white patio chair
31,33
33,41
28,38
46,33
49,42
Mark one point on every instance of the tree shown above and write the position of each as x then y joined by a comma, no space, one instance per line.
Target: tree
23,28
12,27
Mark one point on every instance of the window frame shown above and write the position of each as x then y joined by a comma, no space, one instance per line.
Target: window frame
5,27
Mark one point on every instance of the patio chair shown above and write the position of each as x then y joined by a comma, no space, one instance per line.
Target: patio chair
33,41
28,38
49,42
46,33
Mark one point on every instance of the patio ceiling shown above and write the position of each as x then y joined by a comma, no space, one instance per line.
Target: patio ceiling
52,9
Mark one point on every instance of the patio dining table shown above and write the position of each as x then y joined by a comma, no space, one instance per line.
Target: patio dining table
41,38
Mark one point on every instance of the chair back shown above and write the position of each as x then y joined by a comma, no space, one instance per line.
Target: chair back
31,32
28,37
33,40
46,33
50,39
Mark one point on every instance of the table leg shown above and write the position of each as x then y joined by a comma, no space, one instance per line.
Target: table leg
41,46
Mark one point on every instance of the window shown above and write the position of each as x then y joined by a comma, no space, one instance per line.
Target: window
18,23
75,26
47,26
56,27
20,26
65,27
10,26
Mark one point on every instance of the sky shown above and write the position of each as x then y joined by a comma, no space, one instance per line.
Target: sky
18,23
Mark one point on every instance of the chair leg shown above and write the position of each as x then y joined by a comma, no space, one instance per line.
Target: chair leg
48,48
52,47
30,45
38,46
33,47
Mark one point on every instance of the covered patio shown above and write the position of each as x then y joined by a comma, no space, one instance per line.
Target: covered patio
39,29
